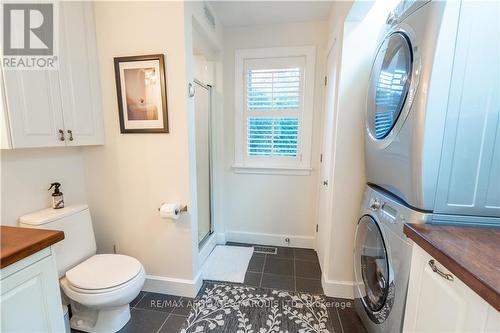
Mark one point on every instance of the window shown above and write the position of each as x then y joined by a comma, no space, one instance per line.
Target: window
273,100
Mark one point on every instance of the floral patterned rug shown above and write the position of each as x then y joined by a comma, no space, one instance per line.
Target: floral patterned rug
231,308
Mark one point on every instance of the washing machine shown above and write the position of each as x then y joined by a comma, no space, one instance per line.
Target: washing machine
382,257
407,99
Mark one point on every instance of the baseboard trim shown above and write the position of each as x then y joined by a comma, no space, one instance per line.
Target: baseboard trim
340,289
173,286
269,239
221,238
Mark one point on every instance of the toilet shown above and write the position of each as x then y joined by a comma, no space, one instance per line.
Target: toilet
98,287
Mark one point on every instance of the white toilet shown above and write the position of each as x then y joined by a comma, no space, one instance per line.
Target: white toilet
99,286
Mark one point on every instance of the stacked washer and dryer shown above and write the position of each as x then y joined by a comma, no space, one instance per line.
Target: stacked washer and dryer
407,144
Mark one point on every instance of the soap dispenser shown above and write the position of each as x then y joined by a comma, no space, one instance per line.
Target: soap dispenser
57,196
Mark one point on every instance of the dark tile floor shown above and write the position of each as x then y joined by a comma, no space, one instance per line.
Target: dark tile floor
156,313
290,269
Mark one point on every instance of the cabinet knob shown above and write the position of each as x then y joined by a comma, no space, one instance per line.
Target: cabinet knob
70,132
61,135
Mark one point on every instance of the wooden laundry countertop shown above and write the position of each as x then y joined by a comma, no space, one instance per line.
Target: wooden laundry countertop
18,243
472,254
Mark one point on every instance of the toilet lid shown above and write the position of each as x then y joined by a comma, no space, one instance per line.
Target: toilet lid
103,271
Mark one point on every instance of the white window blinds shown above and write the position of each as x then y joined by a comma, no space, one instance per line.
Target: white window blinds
274,109
274,99
269,136
273,89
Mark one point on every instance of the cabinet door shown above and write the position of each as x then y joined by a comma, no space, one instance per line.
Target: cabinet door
5,140
33,108
435,304
31,300
79,75
469,175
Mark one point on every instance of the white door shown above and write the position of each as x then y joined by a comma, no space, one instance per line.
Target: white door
79,75
326,157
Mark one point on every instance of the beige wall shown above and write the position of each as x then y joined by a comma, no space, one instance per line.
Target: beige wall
133,174
27,173
358,34
271,204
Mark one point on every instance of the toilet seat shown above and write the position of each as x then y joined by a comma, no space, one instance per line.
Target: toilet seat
103,291
102,273
121,294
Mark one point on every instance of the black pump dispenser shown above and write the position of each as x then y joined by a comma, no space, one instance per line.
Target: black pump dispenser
57,196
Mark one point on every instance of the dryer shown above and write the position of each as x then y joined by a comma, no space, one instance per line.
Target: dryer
382,257
407,98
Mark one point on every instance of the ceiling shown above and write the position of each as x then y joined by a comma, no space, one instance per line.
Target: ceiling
241,13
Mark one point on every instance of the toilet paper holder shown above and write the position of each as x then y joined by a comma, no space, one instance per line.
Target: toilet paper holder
183,208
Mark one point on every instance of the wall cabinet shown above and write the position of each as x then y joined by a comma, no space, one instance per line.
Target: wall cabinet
436,304
50,108
31,299
469,174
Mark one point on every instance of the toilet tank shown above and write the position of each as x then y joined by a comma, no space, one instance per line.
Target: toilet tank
75,222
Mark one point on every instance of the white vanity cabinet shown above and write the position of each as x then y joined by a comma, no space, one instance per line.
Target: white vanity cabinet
50,108
443,303
30,295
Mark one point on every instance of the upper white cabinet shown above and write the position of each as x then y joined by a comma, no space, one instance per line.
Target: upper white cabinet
436,303
81,96
33,109
469,175
62,107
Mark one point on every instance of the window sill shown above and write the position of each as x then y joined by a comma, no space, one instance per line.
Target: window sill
258,170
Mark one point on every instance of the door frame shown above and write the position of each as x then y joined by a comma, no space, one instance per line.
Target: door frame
324,264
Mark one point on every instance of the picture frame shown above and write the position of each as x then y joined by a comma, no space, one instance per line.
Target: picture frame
142,94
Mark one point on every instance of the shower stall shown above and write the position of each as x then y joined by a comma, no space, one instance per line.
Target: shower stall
202,110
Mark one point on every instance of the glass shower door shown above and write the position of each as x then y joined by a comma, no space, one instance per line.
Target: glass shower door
202,107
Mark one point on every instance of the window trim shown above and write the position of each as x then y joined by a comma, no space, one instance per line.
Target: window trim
272,165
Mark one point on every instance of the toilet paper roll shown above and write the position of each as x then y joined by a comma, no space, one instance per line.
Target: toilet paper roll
170,211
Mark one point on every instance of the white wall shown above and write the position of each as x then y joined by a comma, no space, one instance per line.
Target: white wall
266,208
26,175
203,69
359,37
132,174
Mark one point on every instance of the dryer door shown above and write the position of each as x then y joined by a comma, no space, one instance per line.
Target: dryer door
390,80
372,272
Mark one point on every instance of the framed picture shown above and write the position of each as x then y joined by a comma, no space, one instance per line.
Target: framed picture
142,94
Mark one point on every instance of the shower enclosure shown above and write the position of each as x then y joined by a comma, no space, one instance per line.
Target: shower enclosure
202,107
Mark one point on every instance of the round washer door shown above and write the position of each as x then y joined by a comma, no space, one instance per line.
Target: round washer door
372,271
390,82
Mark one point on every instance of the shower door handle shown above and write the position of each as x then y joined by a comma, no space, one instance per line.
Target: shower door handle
191,90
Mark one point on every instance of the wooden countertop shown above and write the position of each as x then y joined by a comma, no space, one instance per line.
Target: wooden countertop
19,243
472,254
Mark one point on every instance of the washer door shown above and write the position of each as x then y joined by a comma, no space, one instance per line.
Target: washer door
390,82
372,271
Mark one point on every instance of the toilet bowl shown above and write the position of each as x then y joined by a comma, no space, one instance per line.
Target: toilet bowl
100,290
99,287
